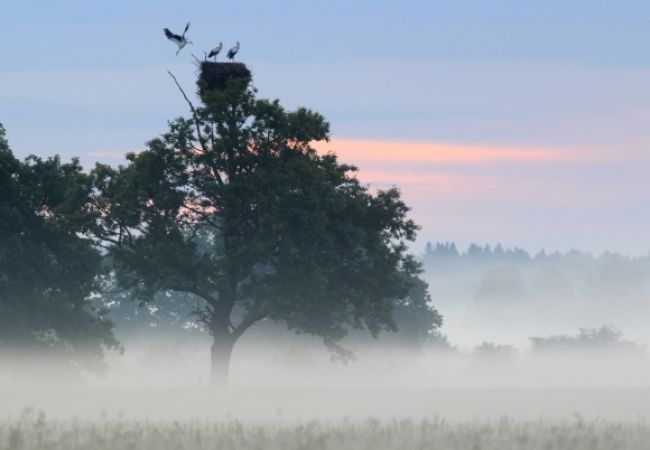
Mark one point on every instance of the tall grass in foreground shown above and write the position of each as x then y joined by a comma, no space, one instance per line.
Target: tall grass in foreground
35,432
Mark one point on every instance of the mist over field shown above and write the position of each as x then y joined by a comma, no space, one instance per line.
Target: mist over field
523,337
507,296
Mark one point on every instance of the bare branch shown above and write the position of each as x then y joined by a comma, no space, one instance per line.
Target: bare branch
194,113
184,95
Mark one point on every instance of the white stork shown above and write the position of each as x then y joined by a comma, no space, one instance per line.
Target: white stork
181,41
215,51
233,51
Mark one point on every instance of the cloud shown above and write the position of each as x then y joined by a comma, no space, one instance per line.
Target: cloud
405,152
535,197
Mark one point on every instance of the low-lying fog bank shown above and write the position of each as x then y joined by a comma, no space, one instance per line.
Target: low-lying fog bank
277,406
302,383
594,373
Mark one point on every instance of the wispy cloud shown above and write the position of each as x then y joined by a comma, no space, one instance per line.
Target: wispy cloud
509,194
404,152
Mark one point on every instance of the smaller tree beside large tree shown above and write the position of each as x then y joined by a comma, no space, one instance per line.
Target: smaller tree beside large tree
235,207
48,271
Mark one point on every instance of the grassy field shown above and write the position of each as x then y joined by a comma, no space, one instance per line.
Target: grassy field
33,431
200,419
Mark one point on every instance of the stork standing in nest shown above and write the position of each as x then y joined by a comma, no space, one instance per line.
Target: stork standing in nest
233,51
181,41
215,51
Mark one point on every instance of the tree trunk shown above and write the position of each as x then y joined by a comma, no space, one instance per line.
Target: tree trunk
220,360
223,339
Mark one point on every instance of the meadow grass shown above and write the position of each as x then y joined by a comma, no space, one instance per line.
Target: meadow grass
33,431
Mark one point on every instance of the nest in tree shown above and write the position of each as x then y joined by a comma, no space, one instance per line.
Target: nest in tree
215,75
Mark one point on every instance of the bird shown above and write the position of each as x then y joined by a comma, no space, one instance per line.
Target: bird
181,41
215,51
233,51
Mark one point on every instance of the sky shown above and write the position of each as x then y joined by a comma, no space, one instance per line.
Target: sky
524,123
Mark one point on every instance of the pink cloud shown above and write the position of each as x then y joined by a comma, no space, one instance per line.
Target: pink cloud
443,153
434,173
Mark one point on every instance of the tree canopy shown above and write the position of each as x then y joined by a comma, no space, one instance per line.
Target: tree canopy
47,269
235,207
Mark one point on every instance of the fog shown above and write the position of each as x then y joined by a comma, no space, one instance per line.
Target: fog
506,296
527,340
289,362
294,379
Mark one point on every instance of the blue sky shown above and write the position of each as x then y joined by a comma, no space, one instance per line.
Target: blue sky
570,77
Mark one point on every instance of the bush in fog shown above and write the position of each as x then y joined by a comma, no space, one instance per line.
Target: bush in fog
605,338
491,352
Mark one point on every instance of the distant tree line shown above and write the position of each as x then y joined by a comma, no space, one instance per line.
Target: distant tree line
498,274
443,252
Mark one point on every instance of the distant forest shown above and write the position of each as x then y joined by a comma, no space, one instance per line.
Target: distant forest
512,273
449,251
509,295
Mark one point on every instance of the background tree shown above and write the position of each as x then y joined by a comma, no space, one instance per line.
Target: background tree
605,338
416,320
47,271
236,208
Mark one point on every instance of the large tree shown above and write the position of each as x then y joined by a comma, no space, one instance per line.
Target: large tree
48,271
235,207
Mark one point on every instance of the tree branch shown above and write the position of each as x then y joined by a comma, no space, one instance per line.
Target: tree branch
204,215
194,113
246,324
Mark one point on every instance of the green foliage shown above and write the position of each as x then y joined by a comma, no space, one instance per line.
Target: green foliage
47,271
235,207
416,320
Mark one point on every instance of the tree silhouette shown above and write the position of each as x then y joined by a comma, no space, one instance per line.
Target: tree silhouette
235,207
47,270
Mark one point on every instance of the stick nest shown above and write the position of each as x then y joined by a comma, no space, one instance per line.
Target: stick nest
215,75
